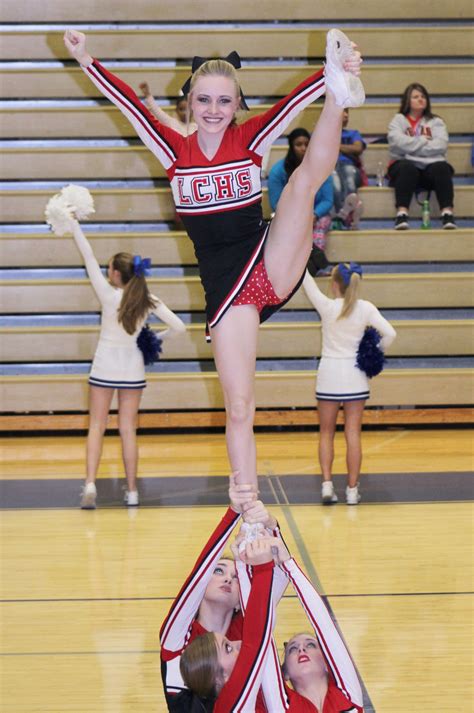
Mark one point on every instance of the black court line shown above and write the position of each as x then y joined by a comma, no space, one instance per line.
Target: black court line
185,491
170,599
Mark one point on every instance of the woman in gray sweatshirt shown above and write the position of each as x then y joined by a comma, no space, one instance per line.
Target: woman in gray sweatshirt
418,142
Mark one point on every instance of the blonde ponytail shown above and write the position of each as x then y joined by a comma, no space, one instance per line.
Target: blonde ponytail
349,290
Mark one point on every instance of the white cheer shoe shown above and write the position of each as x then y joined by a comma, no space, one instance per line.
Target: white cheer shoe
346,87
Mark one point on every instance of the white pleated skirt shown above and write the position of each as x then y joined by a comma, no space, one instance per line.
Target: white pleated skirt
117,367
341,380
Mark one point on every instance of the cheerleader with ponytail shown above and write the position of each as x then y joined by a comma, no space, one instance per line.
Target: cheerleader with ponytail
354,339
125,343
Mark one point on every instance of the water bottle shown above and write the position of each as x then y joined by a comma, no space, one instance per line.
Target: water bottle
425,215
380,174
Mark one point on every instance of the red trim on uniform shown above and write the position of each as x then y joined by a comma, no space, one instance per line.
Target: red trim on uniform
292,105
112,89
216,542
243,275
287,105
327,651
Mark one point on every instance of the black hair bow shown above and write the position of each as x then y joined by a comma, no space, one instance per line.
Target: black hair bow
233,58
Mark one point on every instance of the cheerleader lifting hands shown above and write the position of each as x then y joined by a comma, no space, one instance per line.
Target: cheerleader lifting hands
318,665
248,269
208,604
118,362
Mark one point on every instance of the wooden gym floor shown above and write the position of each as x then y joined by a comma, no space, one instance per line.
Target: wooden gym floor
84,593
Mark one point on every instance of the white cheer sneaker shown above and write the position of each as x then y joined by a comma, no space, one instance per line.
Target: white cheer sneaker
328,496
131,498
346,87
89,496
352,495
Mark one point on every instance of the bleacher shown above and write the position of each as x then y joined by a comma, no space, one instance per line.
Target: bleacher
56,129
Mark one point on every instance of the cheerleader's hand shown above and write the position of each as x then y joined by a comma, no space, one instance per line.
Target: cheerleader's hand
256,511
75,42
258,552
279,550
352,64
235,546
145,88
240,494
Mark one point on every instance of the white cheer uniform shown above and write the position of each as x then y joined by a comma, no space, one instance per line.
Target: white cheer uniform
118,362
339,378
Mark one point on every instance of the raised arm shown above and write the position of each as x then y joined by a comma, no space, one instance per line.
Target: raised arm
240,691
101,286
175,324
382,326
337,657
273,684
319,301
159,113
183,611
162,141
261,131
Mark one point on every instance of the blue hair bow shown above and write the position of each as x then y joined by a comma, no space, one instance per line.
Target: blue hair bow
141,267
346,272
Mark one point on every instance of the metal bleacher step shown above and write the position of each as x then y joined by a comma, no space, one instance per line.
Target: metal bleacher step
63,338
256,40
244,10
36,246
80,118
195,385
400,287
68,160
53,79
142,201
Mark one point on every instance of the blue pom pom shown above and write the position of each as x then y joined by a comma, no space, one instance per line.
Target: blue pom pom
149,344
370,357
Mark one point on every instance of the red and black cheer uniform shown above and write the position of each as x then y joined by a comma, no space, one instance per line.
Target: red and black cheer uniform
218,200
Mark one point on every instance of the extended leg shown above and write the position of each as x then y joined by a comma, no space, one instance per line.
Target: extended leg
290,237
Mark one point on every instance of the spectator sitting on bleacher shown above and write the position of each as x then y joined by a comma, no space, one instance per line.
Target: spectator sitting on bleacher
298,141
418,142
348,177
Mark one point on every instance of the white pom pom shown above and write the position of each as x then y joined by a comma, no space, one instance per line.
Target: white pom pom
59,215
79,199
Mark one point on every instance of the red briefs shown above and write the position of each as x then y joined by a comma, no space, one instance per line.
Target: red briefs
258,290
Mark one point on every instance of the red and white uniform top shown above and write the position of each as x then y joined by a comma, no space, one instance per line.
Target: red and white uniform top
218,199
180,626
344,694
